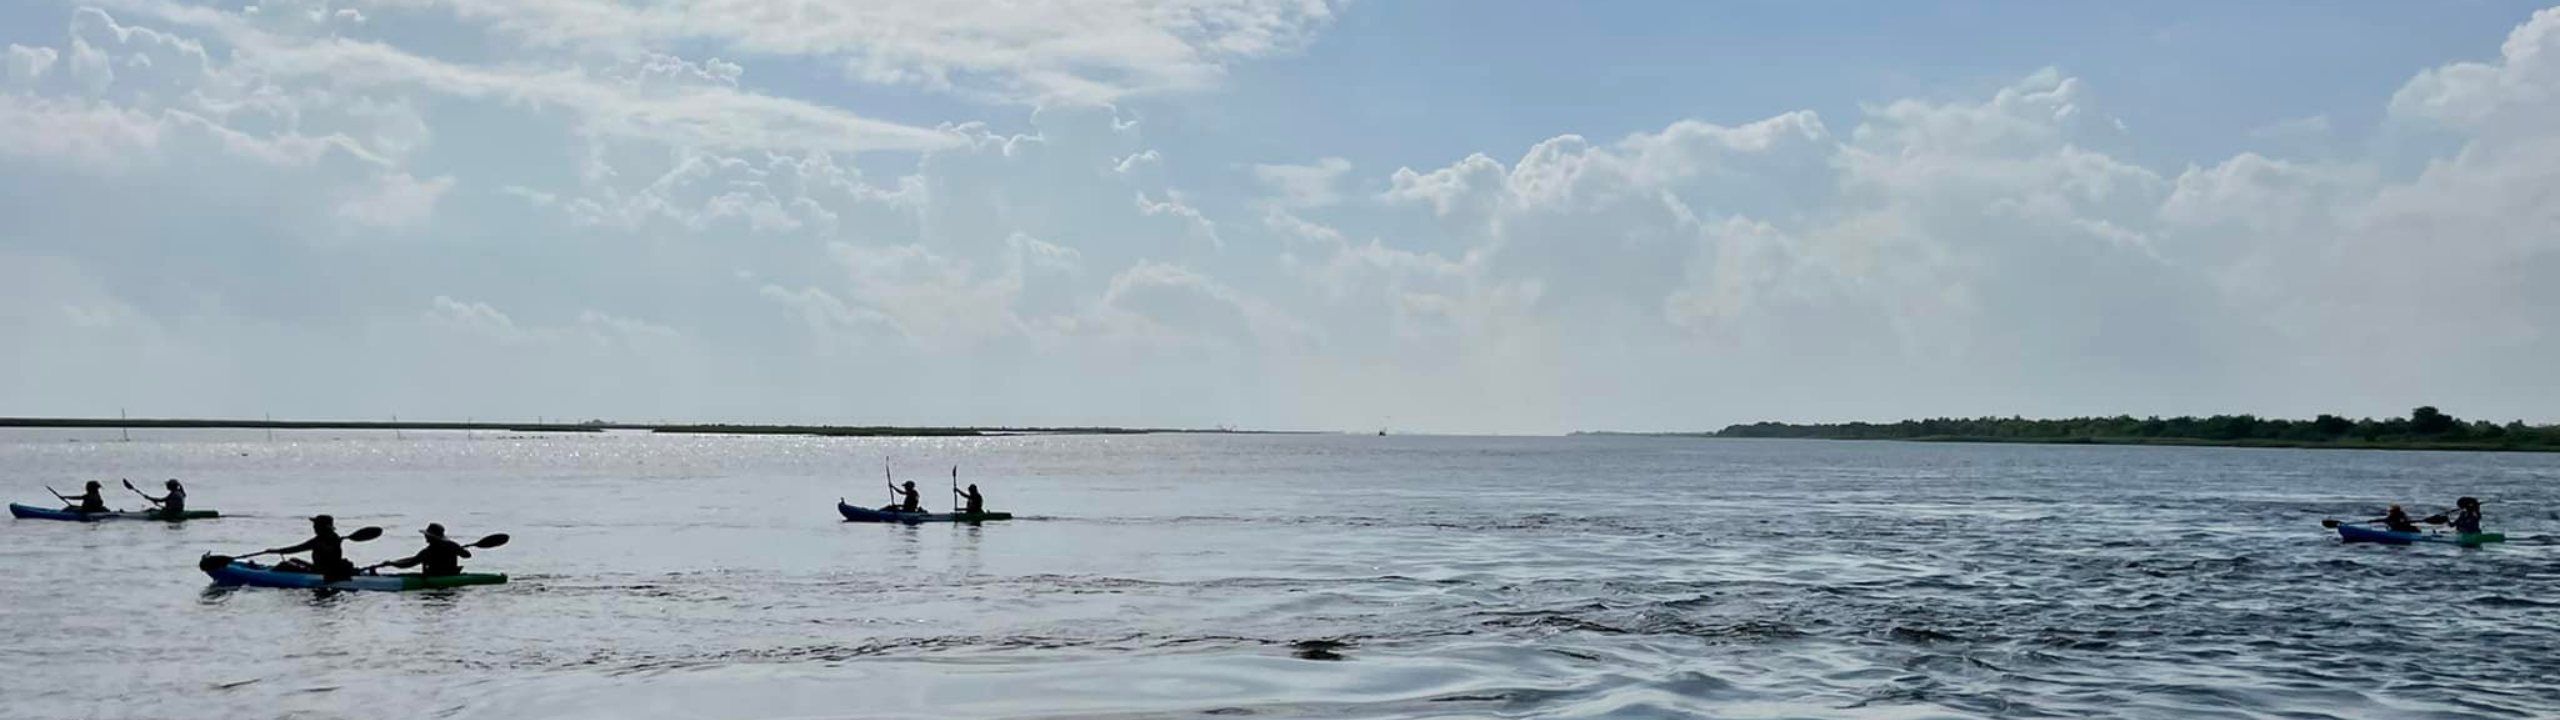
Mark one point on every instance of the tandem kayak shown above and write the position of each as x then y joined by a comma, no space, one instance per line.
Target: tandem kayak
256,575
32,512
2351,533
860,514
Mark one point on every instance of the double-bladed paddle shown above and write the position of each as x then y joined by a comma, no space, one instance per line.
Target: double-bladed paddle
490,541
210,561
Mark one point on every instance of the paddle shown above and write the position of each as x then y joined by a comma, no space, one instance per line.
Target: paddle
211,561
146,497
490,541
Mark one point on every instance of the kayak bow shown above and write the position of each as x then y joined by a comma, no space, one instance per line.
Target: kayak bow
860,514
32,512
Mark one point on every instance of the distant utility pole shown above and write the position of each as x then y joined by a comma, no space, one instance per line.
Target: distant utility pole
128,429
395,428
271,427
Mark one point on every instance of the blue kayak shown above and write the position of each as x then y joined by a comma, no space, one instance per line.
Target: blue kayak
256,575
32,512
2351,533
862,514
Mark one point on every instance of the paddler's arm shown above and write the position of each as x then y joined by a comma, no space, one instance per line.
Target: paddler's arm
304,546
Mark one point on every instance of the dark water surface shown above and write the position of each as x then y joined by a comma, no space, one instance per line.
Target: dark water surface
1320,576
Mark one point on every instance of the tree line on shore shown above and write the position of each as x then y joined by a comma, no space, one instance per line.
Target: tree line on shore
2423,426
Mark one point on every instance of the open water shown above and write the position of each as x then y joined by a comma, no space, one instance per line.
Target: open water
1289,576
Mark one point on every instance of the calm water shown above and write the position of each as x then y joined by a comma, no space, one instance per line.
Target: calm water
1339,577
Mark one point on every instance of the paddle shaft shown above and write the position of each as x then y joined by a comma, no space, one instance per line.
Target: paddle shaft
146,497
485,542
362,534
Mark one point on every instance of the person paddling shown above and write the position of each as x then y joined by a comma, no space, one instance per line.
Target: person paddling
2466,516
89,501
911,501
972,502
173,504
2397,520
441,556
328,552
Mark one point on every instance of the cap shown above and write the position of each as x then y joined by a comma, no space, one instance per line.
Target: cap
434,530
323,518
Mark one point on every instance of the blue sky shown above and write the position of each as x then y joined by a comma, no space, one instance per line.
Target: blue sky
1451,216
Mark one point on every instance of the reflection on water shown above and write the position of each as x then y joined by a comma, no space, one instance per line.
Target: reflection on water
1303,576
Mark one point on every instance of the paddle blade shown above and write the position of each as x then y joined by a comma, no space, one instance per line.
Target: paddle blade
211,562
2331,523
493,540
365,533
2435,520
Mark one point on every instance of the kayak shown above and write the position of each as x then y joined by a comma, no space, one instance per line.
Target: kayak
2351,533
256,575
31,512
861,514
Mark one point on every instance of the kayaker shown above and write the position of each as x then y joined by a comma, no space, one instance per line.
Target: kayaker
974,503
173,504
2466,516
89,501
2397,520
441,556
328,552
912,502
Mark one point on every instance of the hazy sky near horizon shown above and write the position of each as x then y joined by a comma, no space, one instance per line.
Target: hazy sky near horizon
1435,215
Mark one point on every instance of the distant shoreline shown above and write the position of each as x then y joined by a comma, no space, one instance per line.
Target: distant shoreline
2426,428
2143,441
597,426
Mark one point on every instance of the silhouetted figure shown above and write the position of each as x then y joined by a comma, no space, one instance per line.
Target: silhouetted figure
2397,520
173,504
89,501
2466,516
328,552
441,556
912,502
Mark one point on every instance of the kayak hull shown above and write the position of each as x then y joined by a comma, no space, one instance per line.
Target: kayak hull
256,575
869,515
2351,533
32,512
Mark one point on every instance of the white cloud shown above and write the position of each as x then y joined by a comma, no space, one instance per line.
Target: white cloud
1305,186
650,96
392,201
1061,50
27,64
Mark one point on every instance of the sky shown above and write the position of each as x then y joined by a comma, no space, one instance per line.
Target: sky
1426,215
